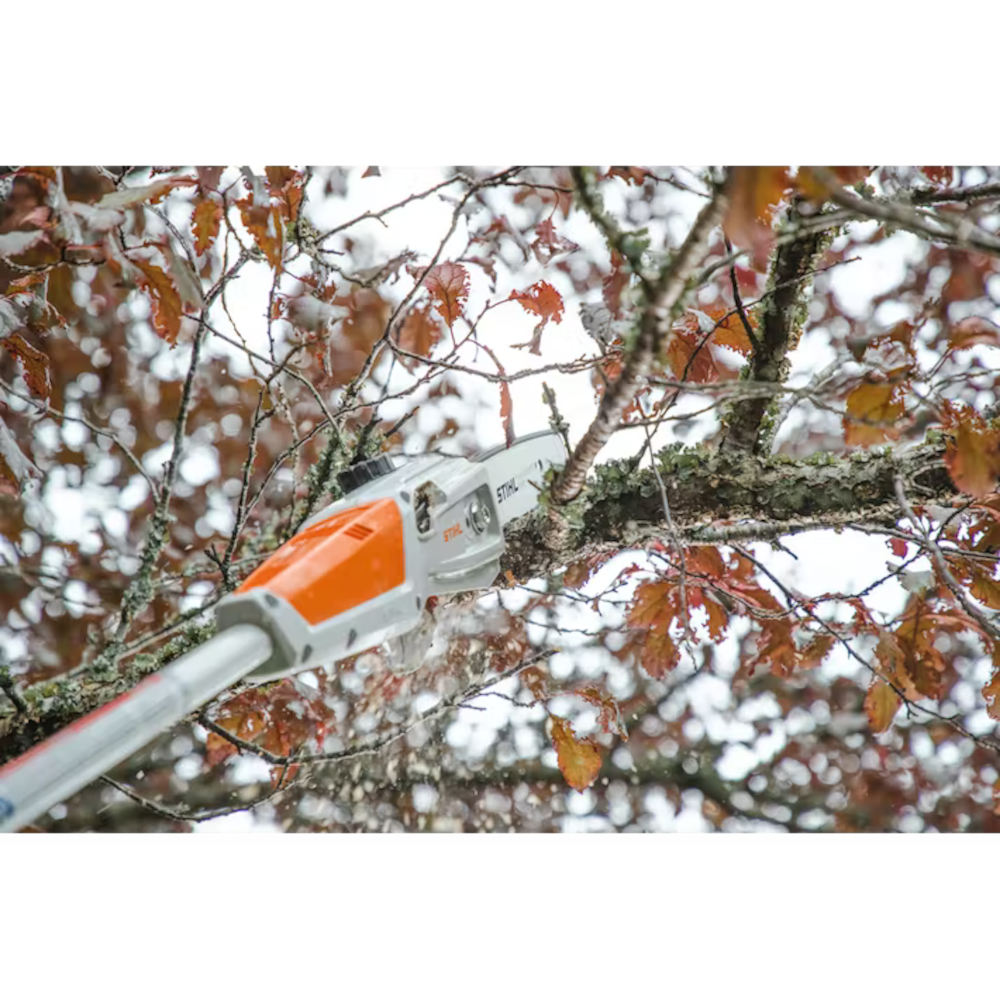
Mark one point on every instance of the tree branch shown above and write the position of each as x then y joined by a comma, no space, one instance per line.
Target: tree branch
664,301
780,331
717,496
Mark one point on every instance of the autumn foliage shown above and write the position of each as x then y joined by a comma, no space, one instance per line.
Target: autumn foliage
204,348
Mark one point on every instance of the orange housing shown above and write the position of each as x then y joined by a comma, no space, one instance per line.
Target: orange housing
337,564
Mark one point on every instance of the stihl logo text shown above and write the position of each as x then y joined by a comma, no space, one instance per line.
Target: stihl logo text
453,532
506,490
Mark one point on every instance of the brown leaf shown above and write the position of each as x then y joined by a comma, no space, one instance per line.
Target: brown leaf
535,679
205,223
418,334
654,605
615,283
776,649
506,401
881,704
610,717
285,185
983,587
579,760
548,243
938,175
209,177
263,222
881,404
755,193
902,334
165,300
972,455
812,187
448,284
653,610
34,364
185,280
729,329
688,354
371,172
15,466
631,175
578,573
892,659
991,692
542,300
816,651
148,194
971,331
507,413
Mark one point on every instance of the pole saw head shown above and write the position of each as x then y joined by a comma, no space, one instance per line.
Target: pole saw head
360,571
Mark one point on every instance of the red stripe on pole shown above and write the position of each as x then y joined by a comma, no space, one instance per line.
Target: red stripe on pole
75,727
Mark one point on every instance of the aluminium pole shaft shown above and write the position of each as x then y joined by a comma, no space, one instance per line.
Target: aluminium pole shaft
82,751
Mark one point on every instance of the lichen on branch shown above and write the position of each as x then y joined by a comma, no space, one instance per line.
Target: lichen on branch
784,314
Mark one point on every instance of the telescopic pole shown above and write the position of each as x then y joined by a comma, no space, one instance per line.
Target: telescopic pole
76,755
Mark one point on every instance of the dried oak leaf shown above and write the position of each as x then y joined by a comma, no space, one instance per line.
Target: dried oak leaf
548,243
881,704
776,649
542,300
729,330
535,679
971,331
507,412
34,364
164,297
147,194
690,359
938,175
205,222
615,283
448,284
653,611
285,185
972,455
755,193
991,692
610,715
631,175
418,335
579,760
874,409
263,222
812,187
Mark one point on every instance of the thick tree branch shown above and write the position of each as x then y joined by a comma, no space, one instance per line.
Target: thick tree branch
660,311
780,330
721,496
963,232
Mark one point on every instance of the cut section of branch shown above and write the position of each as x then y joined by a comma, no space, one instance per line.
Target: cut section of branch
663,304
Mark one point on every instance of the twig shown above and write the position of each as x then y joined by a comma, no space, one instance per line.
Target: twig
940,563
377,744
